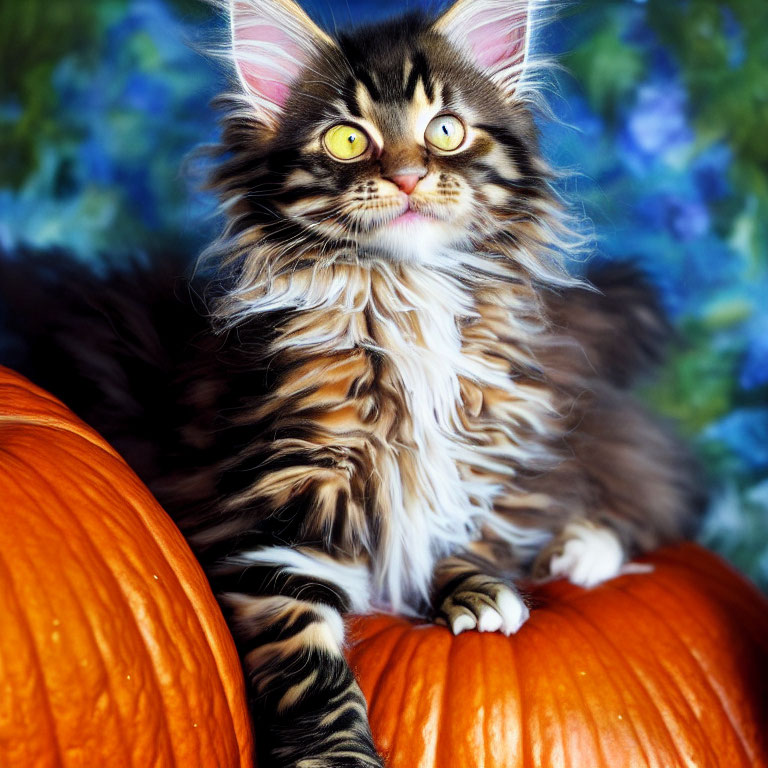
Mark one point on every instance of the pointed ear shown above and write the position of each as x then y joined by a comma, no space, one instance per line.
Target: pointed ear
494,34
272,41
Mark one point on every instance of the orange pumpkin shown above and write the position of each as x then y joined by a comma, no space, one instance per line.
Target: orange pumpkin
113,651
667,669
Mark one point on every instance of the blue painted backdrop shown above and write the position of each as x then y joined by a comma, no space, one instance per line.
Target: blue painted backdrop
663,120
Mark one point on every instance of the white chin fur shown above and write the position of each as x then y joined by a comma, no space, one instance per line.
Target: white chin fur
414,242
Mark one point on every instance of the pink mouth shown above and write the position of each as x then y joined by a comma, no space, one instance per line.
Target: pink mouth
407,217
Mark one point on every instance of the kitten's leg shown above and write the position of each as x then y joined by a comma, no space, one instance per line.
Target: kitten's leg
466,596
585,552
285,608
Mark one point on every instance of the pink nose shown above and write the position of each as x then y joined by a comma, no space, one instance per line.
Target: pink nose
406,181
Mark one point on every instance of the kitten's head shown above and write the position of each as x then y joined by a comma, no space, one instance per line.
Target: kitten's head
404,140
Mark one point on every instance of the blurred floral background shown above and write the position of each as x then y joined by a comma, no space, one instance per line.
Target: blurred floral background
662,124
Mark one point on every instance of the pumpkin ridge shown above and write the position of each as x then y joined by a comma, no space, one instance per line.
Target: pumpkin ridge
524,747
594,729
402,631
363,647
32,645
21,389
153,671
233,690
739,737
116,587
564,611
490,651
483,714
509,648
137,503
703,738
60,425
554,697
218,679
437,641
648,738
444,696
84,617
717,583
406,662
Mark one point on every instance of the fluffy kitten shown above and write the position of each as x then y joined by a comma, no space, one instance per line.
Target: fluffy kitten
403,400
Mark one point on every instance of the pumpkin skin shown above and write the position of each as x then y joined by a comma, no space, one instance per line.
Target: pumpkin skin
666,669
113,650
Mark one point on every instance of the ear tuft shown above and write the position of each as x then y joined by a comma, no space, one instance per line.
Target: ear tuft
272,41
493,34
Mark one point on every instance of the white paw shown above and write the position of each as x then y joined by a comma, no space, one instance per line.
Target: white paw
461,622
590,555
489,620
496,608
514,612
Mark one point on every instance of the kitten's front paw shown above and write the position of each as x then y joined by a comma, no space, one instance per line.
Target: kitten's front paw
585,553
485,604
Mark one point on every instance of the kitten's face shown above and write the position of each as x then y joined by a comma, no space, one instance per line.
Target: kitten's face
392,142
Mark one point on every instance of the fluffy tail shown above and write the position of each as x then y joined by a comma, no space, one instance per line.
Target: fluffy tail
620,326
112,347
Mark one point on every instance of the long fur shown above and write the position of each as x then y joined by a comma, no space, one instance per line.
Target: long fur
365,413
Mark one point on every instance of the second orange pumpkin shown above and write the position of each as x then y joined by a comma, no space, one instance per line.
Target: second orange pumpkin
667,669
113,651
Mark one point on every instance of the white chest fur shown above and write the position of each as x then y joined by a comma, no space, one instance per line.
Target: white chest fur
426,511
409,319
429,509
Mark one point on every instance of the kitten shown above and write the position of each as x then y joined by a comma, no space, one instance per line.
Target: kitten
402,400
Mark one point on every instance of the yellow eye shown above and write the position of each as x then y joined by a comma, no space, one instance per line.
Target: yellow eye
445,132
345,142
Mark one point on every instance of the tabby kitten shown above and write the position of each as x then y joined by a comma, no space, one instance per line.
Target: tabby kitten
405,401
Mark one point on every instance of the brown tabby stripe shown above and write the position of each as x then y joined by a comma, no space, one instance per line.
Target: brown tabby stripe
291,650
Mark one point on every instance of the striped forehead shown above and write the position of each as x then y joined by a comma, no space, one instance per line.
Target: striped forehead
399,101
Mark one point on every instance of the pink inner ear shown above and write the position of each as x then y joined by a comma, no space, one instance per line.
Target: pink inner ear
498,40
269,89
281,59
